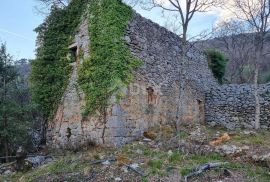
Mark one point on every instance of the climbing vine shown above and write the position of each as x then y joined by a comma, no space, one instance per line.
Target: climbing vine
101,76
51,69
109,68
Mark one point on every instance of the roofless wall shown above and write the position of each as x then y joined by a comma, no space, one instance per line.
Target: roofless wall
150,100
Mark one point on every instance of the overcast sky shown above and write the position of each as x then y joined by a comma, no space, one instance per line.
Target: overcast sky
18,19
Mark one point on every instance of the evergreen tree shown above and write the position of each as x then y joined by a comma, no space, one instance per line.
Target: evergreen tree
217,63
12,123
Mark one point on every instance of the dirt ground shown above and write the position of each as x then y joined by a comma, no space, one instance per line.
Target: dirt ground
164,155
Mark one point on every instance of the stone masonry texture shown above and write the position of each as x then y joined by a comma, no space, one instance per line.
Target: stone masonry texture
152,99
233,106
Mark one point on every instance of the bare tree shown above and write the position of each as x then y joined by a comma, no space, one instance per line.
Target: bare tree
256,14
61,3
132,3
231,37
44,6
185,9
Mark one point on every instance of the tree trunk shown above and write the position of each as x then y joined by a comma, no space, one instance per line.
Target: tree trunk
5,127
179,112
6,149
5,116
259,56
257,99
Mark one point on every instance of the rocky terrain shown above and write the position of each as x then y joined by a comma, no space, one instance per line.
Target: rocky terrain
162,155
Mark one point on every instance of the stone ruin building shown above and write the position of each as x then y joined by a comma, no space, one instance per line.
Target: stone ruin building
151,99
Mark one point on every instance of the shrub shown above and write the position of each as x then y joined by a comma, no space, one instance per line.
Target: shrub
217,63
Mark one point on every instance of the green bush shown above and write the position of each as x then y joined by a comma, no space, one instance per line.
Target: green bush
217,63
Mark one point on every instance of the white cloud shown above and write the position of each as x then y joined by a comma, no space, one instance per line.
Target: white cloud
223,13
15,34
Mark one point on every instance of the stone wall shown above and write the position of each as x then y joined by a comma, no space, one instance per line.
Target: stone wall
233,106
65,130
160,50
151,100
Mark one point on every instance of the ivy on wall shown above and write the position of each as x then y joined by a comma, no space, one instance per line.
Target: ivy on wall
51,70
110,65
102,75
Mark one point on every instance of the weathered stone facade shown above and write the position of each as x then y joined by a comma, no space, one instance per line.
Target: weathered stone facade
233,106
151,100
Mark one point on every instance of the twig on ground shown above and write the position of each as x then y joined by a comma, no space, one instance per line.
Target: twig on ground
103,160
135,170
201,168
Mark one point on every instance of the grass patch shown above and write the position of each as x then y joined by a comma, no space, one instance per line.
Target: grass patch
156,167
155,153
69,164
61,165
175,157
258,138
194,160
183,135
252,172
155,164
147,152
145,179
200,159
256,173
186,170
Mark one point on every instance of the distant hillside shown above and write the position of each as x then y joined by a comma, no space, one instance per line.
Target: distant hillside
239,69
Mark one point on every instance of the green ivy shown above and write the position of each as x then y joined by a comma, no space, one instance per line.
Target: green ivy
109,68
101,76
51,69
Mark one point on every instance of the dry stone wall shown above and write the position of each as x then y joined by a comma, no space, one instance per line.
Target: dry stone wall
233,106
160,49
151,99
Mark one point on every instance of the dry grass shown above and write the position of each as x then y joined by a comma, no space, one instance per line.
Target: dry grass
157,162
